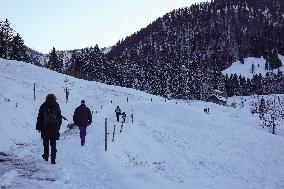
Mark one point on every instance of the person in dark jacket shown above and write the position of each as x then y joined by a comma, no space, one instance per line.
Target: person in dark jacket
49,120
123,117
82,118
117,112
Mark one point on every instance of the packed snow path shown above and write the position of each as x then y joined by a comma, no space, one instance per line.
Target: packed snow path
171,144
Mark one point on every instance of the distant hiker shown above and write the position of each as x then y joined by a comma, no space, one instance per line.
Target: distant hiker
123,117
6,100
206,110
82,118
49,120
118,113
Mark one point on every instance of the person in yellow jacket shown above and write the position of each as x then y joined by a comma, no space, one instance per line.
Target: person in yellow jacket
118,113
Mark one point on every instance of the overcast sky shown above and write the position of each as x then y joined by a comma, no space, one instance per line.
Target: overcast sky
71,24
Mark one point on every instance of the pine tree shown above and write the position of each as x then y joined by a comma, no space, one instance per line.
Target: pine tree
262,108
18,49
75,63
266,65
2,45
54,63
273,60
6,36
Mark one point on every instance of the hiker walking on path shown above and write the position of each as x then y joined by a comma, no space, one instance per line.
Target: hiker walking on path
118,113
82,118
123,117
48,123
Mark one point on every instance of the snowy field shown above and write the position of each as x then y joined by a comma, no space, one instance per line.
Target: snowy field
171,144
245,69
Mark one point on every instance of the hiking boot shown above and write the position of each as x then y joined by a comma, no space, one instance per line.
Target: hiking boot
53,161
82,141
44,157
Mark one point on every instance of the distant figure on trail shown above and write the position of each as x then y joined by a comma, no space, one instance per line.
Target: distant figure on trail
206,110
49,120
118,113
123,117
82,118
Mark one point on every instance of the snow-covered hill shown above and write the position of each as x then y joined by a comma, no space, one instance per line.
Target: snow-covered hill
246,68
171,144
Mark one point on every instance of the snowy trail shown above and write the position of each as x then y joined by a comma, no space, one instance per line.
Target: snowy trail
77,166
85,166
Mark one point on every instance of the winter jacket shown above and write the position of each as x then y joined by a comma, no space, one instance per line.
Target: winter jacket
117,110
49,131
82,116
123,115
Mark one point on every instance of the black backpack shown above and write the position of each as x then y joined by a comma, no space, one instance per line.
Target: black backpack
50,117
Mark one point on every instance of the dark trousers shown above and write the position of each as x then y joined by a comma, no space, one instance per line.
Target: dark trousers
83,134
52,143
117,116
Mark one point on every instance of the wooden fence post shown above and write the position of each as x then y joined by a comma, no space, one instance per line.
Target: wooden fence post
34,92
113,133
273,126
132,116
66,94
105,134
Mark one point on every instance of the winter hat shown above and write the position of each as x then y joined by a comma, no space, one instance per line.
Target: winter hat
82,101
51,97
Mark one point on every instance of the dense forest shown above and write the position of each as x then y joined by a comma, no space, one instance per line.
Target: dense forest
181,54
